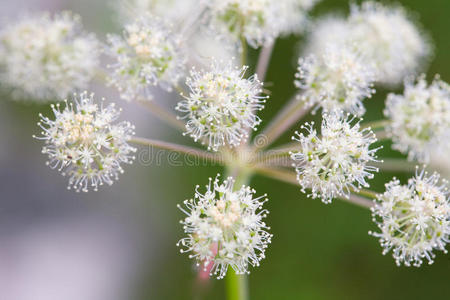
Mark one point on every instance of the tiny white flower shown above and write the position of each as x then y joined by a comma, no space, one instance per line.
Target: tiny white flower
225,227
385,35
337,80
222,105
420,118
148,54
45,57
336,161
414,219
85,142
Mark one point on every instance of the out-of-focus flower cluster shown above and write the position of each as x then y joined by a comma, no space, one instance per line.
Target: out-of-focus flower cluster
260,22
149,54
46,57
420,118
337,80
385,35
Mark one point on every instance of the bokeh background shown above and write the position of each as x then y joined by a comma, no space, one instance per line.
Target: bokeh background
119,243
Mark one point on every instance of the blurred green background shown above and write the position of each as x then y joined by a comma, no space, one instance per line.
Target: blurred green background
318,251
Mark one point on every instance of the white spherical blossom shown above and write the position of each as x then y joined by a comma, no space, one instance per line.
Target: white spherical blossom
337,80
85,143
337,161
385,35
257,20
222,105
45,57
225,227
148,55
414,219
420,118
327,30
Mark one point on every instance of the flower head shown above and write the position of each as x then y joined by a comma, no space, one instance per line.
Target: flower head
85,142
148,54
224,226
337,161
385,35
420,118
338,80
414,219
222,105
47,57
256,20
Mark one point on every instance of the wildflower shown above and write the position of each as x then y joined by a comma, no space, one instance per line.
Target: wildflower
222,105
85,142
414,219
148,54
225,226
420,118
335,162
385,35
336,81
45,57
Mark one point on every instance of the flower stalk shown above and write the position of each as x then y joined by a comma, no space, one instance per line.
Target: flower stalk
290,114
264,60
376,125
237,285
178,148
163,114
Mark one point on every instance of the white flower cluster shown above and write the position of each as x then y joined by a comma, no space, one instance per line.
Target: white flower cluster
85,143
337,80
259,21
256,20
47,57
222,105
336,162
149,54
386,37
420,118
414,219
225,227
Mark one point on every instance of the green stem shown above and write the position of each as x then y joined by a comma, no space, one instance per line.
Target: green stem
243,50
396,165
376,125
217,158
382,135
366,193
237,285
263,61
291,113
